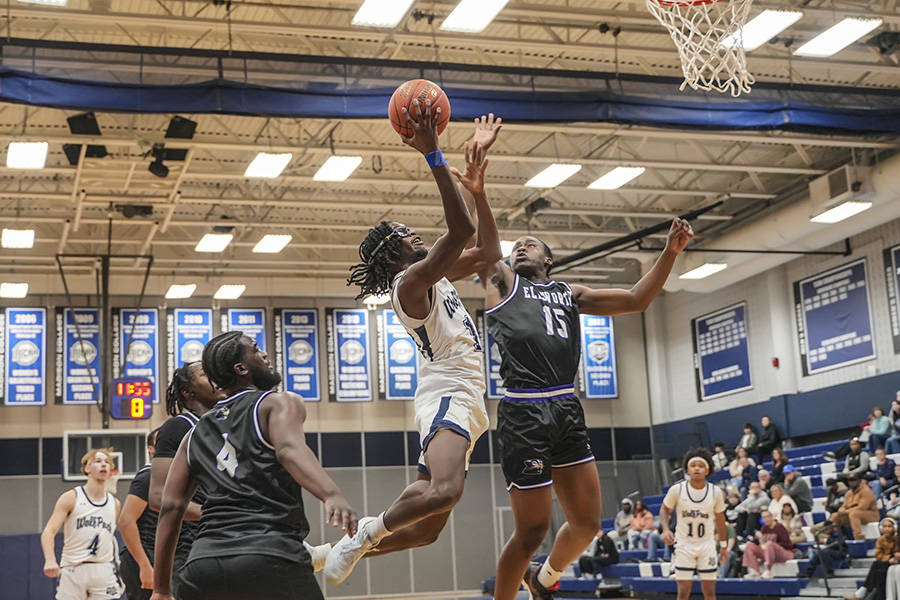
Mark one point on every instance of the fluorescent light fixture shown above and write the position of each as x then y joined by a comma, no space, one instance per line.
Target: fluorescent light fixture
472,16
841,212
762,28
553,175
381,13
181,290
272,244
337,168
26,155
229,292
214,242
13,290
616,178
268,165
17,238
506,247
702,271
45,2
838,37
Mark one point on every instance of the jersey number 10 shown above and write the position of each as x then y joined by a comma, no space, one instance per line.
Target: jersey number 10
701,530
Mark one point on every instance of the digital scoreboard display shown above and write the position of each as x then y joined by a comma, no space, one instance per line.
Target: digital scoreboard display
132,398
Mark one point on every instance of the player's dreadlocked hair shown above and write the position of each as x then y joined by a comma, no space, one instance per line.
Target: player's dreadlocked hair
182,383
698,453
378,252
219,357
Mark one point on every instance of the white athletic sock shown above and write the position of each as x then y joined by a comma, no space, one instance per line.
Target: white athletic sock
548,576
861,592
377,530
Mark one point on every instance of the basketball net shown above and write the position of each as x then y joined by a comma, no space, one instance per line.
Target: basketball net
112,481
707,35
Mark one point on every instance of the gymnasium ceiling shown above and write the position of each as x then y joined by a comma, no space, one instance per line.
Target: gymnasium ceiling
69,205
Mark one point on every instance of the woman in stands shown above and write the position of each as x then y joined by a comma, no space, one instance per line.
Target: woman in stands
884,473
879,429
793,523
641,526
887,553
779,461
892,445
772,545
736,470
779,501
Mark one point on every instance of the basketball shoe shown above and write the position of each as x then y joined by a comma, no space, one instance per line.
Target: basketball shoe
537,591
347,552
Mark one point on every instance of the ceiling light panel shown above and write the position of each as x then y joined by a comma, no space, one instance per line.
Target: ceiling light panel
177,290
838,37
214,242
17,238
229,292
762,28
473,16
841,212
267,165
337,168
381,13
26,155
553,175
703,271
13,290
272,244
616,178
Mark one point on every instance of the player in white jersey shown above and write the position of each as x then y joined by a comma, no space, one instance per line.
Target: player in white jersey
700,508
449,401
87,569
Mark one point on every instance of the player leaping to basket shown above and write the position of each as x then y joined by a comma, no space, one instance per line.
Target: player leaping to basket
700,507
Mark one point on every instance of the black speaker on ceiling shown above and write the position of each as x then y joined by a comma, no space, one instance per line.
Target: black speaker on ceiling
181,129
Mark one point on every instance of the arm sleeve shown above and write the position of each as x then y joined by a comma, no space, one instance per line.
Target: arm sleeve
170,435
671,498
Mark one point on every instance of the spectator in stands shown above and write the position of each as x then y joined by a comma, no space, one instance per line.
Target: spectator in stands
892,445
765,480
793,523
730,544
641,526
731,511
768,440
890,497
797,488
619,535
859,507
831,552
655,542
735,469
749,509
749,439
779,500
887,553
879,429
721,457
749,475
602,552
779,462
884,473
770,545
833,503
857,461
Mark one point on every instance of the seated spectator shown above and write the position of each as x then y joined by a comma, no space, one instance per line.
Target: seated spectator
793,523
879,429
641,526
779,500
735,469
831,552
721,456
749,510
779,462
768,440
770,545
833,503
730,542
600,553
884,473
857,460
749,439
731,512
619,535
749,475
892,445
765,480
859,507
654,543
797,488
887,553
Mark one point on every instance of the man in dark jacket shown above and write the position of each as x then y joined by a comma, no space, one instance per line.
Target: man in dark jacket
833,552
600,553
768,439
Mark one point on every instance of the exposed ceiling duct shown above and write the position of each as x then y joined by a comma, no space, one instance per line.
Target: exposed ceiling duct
788,229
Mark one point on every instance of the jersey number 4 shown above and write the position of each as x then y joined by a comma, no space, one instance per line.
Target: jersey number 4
226,459
559,327
94,545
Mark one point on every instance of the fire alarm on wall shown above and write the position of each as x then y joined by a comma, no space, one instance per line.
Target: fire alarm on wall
775,362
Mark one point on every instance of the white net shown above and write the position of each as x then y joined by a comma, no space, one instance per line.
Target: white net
707,35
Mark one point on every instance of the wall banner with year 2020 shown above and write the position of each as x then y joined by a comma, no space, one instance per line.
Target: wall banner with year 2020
252,321
598,350
79,364
349,375
297,351
136,337
25,346
189,329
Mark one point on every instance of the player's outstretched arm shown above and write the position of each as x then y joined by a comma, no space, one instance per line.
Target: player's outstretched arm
179,490
282,416
638,298
486,130
127,524
64,507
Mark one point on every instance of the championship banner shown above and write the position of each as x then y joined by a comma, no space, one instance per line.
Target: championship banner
189,330
25,361
721,352
140,331
79,366
892,275
495,389
598,357
349,378
397,358
252,321
834,321
297,351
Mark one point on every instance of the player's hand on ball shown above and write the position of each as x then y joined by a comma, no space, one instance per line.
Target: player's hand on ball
424,126
473,178
668,538
486,130
680,234
51,568
339,513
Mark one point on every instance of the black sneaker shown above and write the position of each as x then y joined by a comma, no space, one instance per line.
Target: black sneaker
537,591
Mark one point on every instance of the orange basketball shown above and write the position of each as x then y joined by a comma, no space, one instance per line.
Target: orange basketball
417,89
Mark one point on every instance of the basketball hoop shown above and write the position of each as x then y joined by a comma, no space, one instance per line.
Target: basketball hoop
707,35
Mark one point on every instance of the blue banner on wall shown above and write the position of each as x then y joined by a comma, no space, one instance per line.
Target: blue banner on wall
349,377
598,349
190,330
892,276
398,358
25,361
721,352
834,319
492,360
297,358
252,321
136,337
79,361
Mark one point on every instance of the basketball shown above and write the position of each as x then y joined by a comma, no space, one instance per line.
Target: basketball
417,89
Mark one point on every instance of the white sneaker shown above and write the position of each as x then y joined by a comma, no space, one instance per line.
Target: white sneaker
767,574
318,554
751,574
347,552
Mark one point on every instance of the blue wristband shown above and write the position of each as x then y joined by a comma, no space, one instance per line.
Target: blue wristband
435,159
